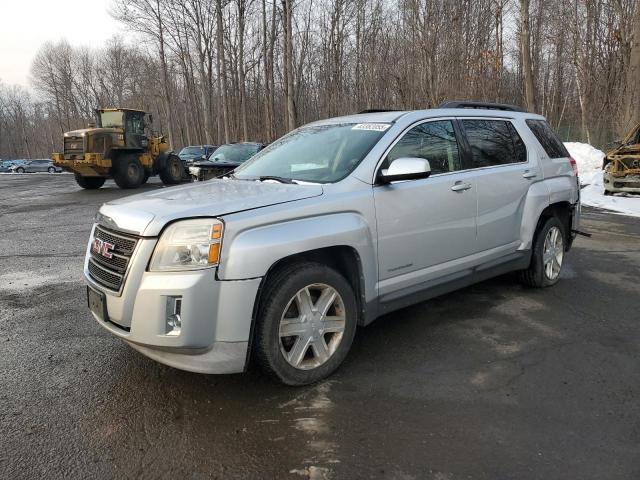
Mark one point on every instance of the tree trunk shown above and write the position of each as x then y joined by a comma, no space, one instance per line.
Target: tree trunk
221,70
632,94
165,76
288,64
525,48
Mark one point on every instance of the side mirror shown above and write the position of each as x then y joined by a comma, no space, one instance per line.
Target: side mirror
405,168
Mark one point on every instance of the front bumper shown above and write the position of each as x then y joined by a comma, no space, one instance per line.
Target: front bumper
215,315
628,183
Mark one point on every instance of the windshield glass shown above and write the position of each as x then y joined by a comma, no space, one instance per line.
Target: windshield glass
111,119
234,153
192,151
319,153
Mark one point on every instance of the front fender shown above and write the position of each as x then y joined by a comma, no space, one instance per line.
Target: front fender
252,252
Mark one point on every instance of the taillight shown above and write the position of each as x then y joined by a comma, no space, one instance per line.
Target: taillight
574,165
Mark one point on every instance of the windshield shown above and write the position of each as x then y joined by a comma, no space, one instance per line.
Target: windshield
111,119
192,151
319,153
234,153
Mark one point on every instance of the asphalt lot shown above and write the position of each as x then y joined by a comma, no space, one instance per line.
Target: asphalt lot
491,382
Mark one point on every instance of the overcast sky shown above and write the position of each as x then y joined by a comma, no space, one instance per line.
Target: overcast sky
26,24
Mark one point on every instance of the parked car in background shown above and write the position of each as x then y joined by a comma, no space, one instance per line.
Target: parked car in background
224,160
33,166
5,165
194,153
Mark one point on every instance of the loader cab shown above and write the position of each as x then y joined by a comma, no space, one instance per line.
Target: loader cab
134,136
131,121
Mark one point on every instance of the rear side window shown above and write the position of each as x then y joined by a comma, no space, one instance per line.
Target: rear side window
494,142
548,139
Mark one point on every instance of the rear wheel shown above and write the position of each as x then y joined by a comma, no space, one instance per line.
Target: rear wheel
547,256
128,171
20,170
51,170
172,171
90,183
306,324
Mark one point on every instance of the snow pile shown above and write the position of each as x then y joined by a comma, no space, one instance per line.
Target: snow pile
589,160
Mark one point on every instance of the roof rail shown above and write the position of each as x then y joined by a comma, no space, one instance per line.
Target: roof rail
482,105
378,110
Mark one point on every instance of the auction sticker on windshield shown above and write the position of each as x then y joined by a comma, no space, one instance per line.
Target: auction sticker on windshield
376,127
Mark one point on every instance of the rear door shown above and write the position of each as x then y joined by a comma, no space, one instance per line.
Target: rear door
425,226
38,166
502,174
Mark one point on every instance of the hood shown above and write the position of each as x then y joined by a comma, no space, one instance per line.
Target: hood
91,131
147,213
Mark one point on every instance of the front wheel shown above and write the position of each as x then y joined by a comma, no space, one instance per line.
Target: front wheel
128,171
306,324
20,170
547,255
90,183
171,173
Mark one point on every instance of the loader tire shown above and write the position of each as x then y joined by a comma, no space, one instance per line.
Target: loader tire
172,170
90,183
128,171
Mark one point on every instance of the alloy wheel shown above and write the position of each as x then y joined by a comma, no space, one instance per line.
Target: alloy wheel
312,326
553,253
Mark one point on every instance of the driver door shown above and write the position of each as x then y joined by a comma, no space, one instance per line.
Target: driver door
426,227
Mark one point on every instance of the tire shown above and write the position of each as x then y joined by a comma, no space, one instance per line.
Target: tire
90,183
51,170
545,249
172,170
146,177
277,355
128,171
19,170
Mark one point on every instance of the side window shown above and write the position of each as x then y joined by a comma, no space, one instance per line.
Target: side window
135,123
494,142
433,141
547,138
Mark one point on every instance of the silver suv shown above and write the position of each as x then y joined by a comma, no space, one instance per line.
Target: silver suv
331,226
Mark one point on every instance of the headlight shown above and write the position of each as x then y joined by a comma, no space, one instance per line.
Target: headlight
188,245
194,170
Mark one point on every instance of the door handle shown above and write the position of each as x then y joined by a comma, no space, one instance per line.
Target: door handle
460,186
529,174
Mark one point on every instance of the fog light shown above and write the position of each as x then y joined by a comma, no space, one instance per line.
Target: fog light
173,322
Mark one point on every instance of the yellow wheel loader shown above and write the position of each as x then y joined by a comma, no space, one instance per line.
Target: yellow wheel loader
118,147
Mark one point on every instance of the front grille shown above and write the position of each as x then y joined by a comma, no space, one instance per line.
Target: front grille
110,272
207,173
73,145
626,184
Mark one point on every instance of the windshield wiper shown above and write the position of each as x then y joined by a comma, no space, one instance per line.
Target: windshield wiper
276,178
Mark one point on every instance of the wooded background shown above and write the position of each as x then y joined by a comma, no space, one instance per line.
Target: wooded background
214,71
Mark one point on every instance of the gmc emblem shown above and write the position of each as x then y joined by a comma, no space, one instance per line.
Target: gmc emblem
102,248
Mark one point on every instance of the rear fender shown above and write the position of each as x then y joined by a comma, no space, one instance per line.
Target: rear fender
540,196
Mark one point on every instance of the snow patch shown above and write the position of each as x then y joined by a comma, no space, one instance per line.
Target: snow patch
589,160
